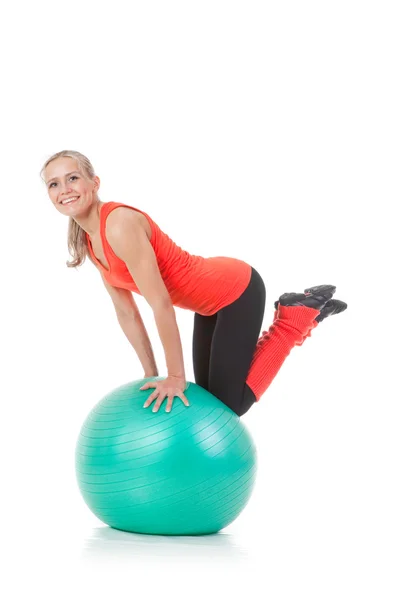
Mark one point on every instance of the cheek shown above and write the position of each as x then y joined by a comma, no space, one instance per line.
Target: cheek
81,187
53,195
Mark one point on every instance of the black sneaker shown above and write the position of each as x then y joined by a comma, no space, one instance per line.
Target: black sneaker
315,297
333,307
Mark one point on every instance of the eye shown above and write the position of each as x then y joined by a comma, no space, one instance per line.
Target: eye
74,176
51,185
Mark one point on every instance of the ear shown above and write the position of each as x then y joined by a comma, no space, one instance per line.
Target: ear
96,181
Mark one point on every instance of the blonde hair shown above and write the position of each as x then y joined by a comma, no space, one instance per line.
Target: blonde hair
77,241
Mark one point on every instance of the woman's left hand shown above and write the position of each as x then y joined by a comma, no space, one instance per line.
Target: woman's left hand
169,387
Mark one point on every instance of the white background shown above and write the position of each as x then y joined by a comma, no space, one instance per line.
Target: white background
266,131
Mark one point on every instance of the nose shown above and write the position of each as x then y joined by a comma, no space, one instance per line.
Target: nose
65,189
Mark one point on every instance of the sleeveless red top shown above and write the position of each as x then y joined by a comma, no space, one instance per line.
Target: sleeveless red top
202,285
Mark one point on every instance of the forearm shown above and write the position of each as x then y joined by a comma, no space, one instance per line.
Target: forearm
135,331
171,340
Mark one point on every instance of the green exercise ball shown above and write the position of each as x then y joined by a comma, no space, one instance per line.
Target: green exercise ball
187,472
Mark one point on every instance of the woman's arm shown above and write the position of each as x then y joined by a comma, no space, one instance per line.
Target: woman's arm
135,331
171,340
132,325
128,239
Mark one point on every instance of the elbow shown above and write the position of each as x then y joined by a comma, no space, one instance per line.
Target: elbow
160,308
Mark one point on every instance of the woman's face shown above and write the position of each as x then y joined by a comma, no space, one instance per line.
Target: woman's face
64,180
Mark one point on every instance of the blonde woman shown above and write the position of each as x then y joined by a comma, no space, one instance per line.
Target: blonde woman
227,295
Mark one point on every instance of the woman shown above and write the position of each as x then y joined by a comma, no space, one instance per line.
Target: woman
227,295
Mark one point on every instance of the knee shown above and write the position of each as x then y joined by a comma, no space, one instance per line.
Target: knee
243,410
240,408
229,400
248,400
238,403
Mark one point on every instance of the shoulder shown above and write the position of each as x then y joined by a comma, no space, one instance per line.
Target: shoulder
123,220
127,236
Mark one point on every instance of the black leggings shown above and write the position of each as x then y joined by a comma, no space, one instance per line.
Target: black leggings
224,345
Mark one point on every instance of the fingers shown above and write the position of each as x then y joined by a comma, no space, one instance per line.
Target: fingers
158,403
184,400
151,399
169,403
161,399
147,385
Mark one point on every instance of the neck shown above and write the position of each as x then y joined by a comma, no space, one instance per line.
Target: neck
89,220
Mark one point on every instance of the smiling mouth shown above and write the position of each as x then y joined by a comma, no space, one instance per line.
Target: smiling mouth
69,200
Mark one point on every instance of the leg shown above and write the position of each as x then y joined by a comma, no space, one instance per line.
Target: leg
306,335
292,325
233,344
240,366
203,331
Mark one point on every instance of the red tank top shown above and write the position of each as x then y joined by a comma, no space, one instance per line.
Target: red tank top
202,285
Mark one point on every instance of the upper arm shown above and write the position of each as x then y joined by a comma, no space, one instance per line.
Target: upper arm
128,239
122,299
